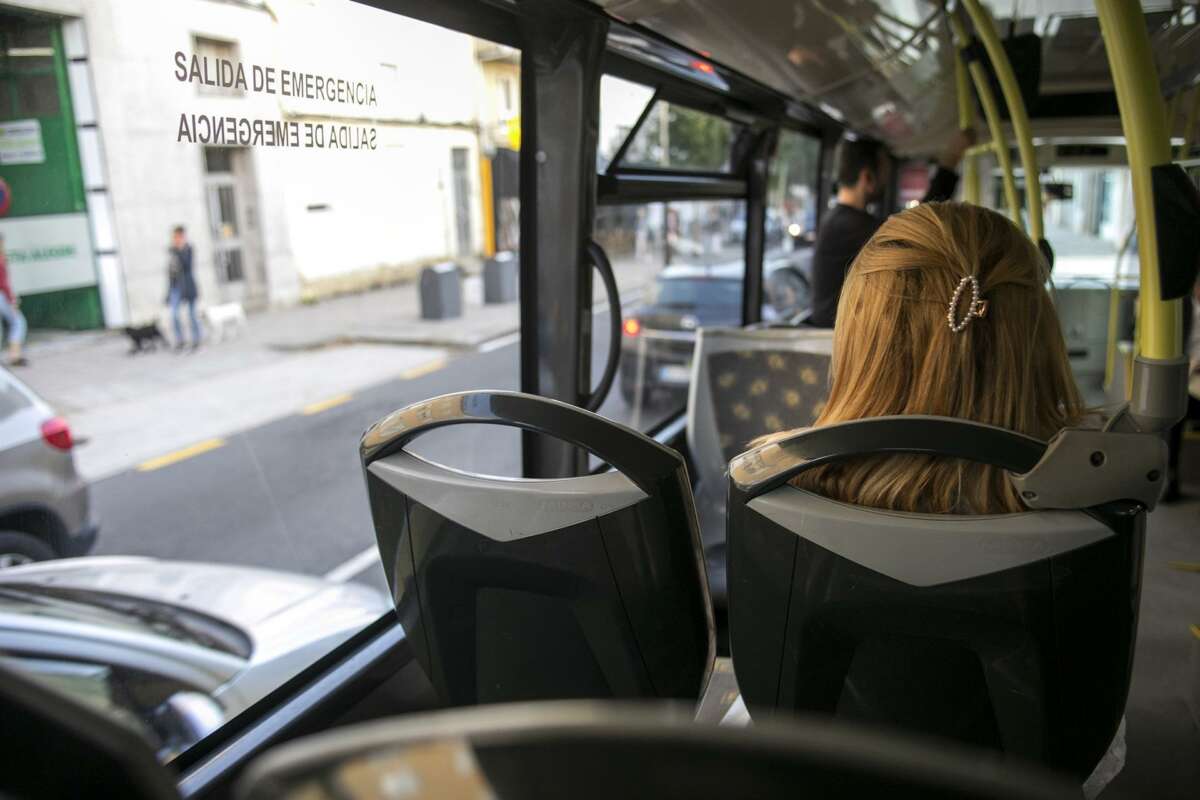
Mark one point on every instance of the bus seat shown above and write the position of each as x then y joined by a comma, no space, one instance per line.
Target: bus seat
587,750
1012,631
515,589
67,748
746,383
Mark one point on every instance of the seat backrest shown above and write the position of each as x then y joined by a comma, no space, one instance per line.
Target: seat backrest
514,589
747,383
1012,631
55,746
605,750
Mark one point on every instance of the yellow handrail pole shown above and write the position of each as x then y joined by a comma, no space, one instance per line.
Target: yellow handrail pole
1160,322
966,121
986,29
1189,128
983,89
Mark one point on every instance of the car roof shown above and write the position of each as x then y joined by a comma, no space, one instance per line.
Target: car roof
728,271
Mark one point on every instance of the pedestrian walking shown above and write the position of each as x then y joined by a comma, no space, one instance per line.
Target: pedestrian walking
181,286
10,312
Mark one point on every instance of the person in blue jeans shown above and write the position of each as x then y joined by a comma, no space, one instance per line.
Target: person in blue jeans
181,286
10,313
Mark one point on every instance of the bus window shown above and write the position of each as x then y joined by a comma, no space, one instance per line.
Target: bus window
791,224
238,241
621,104
677,137
1088,218
679,266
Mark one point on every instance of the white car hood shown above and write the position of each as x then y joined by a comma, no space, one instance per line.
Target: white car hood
247,597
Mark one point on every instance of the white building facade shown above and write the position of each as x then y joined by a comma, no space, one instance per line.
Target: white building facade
361,166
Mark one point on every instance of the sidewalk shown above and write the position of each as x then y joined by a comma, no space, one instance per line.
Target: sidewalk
134,408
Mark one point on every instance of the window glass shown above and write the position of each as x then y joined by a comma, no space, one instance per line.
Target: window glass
679,266
791,225
621,103
677,137
1088,213
233,257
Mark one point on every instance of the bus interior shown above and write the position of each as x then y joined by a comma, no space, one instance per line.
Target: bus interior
627,596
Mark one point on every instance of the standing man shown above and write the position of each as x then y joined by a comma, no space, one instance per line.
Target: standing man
10,312
181,286
862,170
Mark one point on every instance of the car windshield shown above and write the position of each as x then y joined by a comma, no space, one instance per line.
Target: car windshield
114,611
695,292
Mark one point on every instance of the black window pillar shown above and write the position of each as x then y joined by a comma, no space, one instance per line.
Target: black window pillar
562,45
757,168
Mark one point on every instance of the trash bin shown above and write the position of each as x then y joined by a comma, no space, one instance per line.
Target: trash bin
441,291
500,278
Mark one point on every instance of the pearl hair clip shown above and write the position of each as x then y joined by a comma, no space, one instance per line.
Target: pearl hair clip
977,308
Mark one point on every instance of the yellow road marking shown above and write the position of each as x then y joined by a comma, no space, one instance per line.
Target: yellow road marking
180,455
325,405
1185,566
1192,434
424,369
1196,631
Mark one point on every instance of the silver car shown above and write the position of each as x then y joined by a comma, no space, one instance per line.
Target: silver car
45,510
172,648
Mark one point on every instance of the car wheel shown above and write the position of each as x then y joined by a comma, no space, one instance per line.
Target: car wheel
18,548
788,292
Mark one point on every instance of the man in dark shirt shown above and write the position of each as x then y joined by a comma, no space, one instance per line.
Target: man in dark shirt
862,170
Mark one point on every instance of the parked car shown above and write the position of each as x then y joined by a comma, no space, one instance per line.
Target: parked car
173,649
660,335
45,508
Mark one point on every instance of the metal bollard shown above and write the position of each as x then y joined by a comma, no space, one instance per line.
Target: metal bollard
441,291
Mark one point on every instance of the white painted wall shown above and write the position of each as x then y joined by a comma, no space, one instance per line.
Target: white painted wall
389,207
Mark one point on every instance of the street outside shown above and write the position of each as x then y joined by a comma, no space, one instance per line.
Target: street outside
246,451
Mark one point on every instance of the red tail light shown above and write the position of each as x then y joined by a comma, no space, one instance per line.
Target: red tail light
57,433
632,327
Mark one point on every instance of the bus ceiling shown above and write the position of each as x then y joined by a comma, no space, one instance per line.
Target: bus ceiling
887,68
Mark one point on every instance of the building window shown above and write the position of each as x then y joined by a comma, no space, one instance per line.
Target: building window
28,87
212,52
225,224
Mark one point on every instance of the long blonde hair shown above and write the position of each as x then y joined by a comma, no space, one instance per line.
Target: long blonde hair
895,353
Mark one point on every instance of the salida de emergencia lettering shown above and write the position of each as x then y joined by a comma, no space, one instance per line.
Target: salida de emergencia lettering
226,74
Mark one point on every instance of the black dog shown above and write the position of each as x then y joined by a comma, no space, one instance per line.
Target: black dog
144,338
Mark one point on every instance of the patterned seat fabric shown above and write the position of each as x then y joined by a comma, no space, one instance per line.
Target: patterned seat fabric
756,392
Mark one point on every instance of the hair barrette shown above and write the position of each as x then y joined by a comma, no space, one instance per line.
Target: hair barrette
977,308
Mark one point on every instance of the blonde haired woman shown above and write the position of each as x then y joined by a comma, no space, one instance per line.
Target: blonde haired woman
945,311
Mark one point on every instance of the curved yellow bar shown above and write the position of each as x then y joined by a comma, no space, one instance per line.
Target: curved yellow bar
1143,119
986,28
966,120
992,114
